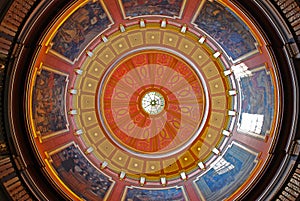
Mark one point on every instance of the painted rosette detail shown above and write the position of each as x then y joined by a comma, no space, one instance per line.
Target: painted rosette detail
153,104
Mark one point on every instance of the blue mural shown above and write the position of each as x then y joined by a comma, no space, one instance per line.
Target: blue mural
170,194
79,29
134,8
227,175
80,176
48,102
226,28
257,103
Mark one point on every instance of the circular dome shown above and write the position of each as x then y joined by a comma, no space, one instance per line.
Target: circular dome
161,99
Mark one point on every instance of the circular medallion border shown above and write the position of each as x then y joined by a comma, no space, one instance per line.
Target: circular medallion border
136,131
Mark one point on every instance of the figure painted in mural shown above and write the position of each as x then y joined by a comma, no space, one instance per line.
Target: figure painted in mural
258,98
223,180
71,165
48,99
79,29
172,194
225,27
154,7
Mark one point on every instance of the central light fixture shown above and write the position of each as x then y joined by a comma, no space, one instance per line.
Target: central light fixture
153,102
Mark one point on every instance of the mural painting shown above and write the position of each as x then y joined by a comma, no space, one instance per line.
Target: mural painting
227,29
134,8
228,174
167,194
257,105
79,29
82,178
48,103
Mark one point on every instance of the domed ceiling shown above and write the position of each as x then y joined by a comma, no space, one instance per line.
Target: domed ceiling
153,100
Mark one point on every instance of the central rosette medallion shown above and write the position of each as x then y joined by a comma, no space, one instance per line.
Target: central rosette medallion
152,104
